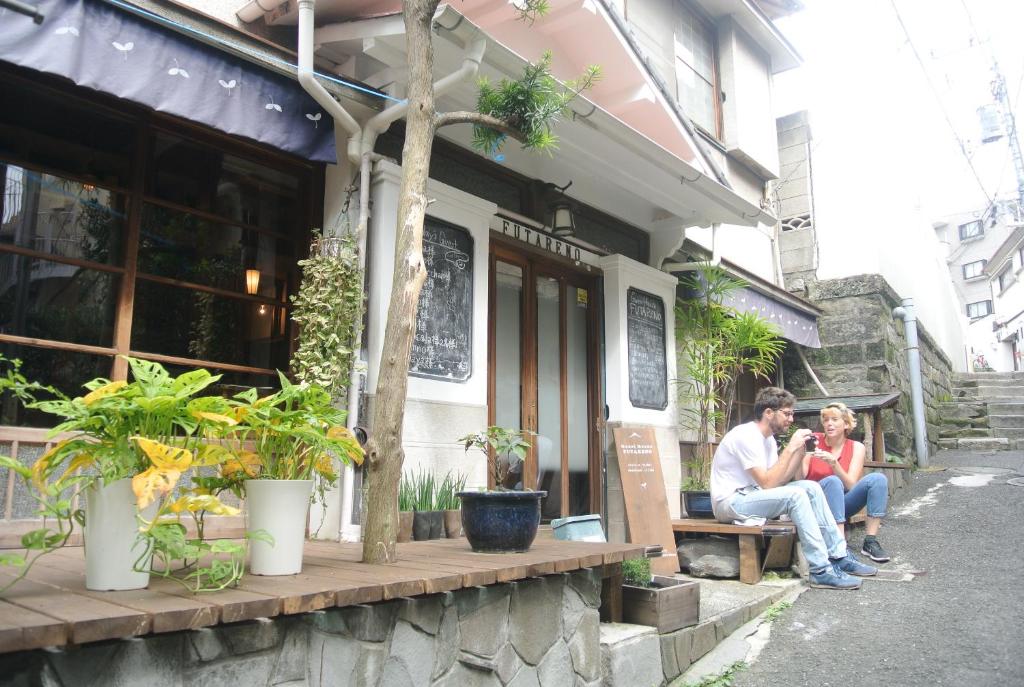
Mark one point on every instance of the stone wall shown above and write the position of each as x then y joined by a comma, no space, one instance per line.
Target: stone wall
544,631
864,352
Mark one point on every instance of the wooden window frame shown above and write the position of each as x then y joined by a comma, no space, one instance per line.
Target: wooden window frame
709,27
144,124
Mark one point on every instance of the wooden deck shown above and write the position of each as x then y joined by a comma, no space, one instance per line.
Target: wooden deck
51,607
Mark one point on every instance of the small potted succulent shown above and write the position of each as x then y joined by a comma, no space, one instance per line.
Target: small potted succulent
503,519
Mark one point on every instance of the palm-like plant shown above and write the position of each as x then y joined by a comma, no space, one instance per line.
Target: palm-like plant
716,343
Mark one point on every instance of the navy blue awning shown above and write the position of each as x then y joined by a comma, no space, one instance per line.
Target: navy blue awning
102,47
797,326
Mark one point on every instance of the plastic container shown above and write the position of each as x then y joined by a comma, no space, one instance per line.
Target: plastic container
579,528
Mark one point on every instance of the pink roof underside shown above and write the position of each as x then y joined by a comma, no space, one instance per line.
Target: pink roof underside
578,34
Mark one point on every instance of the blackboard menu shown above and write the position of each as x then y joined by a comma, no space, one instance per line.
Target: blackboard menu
443,344
645,334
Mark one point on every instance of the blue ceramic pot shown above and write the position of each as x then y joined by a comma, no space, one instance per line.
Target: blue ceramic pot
500,521
697,504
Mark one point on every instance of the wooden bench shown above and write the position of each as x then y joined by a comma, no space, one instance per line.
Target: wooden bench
774,536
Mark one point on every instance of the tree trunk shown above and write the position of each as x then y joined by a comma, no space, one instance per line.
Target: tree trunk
384,450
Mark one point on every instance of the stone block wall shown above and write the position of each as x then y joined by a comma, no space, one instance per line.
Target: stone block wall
544,631
864,352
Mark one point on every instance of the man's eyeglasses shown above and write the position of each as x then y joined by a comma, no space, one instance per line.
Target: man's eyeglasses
787,413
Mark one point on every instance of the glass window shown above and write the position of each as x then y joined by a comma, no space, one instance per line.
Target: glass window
1005,278
231,187
696,70
43,299
189,248
971,230
60,216
973,269
979,309
64,370
176,321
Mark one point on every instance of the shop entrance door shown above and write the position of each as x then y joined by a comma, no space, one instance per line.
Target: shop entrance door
544,375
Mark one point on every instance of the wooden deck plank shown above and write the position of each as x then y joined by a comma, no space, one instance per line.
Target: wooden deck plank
167,612
87,619
22,629
53,608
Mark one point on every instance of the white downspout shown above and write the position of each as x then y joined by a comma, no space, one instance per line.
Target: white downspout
360,151
906,313
715,261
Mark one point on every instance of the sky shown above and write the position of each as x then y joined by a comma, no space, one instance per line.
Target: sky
891,118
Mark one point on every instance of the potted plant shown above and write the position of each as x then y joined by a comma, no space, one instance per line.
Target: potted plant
406,508
502,519
427,521
449,504
130,443
285,446
667,603
716,343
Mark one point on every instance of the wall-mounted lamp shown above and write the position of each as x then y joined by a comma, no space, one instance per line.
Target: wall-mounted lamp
252,282
562,221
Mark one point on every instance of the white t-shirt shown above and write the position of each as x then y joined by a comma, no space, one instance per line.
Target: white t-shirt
743,447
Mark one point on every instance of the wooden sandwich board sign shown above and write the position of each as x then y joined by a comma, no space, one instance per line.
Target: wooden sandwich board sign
643,489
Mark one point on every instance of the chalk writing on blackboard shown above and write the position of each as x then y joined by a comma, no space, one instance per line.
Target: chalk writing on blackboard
645,335
442,347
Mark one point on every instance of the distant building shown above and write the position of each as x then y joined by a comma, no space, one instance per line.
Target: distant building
1005,328
971,240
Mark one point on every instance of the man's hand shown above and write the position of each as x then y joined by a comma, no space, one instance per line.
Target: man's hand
796,442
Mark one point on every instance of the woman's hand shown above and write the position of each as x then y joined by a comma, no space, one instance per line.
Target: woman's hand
827,457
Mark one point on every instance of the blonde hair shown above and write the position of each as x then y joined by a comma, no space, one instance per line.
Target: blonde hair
845,414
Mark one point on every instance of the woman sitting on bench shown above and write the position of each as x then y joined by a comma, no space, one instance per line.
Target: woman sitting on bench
838,465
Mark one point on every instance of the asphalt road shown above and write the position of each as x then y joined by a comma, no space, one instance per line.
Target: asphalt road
960,623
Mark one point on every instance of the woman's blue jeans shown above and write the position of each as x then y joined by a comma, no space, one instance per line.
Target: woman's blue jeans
872,491
805,504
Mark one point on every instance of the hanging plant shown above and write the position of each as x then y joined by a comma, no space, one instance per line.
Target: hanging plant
329,312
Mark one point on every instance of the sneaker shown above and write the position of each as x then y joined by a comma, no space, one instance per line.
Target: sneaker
832,578
873,550
851,566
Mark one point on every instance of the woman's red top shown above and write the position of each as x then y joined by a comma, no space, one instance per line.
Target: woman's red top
819,469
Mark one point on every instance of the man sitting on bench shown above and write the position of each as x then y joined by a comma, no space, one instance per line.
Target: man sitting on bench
750,479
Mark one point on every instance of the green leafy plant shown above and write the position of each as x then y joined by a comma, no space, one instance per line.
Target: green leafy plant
329,311
722,679
447,491
532,105
406,494
151,430
292,434
636,572
424,489
716,343
775,610
505,450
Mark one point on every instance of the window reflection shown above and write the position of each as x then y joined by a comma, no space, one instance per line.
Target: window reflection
61,217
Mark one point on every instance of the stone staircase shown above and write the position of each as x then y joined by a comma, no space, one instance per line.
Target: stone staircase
986,413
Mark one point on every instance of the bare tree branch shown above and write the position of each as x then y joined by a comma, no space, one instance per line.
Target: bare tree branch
478,119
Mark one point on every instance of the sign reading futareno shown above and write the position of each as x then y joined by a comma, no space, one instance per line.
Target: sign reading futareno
645,336
542,240
442,346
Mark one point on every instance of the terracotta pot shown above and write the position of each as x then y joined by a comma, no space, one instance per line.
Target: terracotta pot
405,525
453,524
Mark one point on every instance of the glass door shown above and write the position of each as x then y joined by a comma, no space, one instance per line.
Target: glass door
543,376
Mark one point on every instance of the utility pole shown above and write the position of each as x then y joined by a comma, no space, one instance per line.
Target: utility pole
1010,125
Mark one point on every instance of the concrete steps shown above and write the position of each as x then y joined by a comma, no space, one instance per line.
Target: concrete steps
986,412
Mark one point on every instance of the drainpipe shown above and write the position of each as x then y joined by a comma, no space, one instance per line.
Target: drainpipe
360,151
715,261
906,313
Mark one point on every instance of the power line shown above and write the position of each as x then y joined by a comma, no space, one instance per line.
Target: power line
938,99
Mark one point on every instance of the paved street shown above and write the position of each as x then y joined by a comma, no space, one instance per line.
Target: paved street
961,623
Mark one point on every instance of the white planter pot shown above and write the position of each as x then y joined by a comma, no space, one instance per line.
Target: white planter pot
279,507
112,541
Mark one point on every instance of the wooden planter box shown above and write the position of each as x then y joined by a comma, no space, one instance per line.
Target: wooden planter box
669,605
